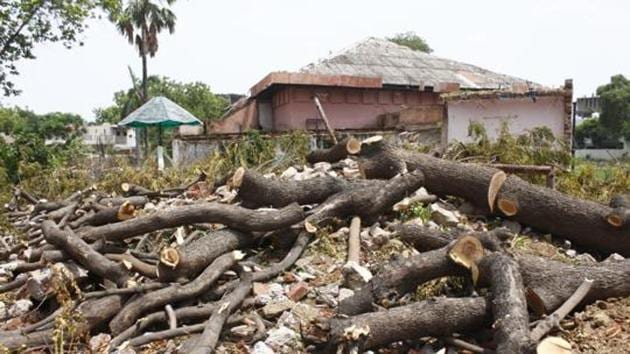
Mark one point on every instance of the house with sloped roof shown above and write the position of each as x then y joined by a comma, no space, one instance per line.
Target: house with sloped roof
377,85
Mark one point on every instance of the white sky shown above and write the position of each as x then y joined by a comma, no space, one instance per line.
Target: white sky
230,45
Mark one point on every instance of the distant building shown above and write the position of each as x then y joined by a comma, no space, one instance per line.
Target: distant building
586,106
110,135
380,85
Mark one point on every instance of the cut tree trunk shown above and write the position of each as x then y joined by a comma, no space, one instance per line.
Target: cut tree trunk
583,222
256,191
337,152
432,318
230,215
110,215
367,203
189,260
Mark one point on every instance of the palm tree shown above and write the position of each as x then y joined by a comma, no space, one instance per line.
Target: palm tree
140,22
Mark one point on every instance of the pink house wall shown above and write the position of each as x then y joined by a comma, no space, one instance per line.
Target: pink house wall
346,108
521,114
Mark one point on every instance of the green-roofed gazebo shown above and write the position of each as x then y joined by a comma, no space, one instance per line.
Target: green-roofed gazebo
162,113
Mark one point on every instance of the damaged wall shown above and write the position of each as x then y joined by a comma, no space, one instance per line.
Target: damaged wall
346,108
520,113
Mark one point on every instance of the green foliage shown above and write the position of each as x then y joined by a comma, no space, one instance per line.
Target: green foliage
595,181
537,147
600,136
195,97
141,21
23,23
252,150
416,211
412,40
20,121
614,99
28,154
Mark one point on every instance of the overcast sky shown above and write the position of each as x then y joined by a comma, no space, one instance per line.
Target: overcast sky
230,45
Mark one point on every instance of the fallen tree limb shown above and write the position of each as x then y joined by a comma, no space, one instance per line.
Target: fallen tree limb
582,222
509,307
255,190
398,280
212,330
124,211
189,260
85,255
174,293
94,313
545,325
437,317
339,151
233,216
132,263
367,203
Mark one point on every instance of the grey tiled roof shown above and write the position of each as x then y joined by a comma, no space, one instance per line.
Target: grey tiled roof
399,65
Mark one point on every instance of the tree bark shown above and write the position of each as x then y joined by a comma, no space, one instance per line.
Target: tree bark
197,255
174,293
85,255
94,312
212,330
432,318
233,216
337,152
509,306
256,191
583,222
367,203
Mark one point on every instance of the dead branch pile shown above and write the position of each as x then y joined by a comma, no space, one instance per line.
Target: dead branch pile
242,264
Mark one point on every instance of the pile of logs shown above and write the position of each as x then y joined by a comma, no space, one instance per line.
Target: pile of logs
154,265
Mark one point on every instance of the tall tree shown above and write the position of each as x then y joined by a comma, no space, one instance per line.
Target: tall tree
411,40
614,100
23,23
141,22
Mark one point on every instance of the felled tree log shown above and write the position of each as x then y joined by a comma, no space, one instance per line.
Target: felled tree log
583,222
233,216
255,190
432,318
85,255
174,293
339,151
541,275
367,203
94,313
136,201
509,306
189,260
399,280
110,215
444,316
619,217
424,238
48,206
212,330
620,201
